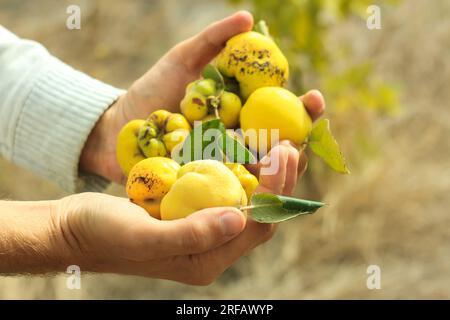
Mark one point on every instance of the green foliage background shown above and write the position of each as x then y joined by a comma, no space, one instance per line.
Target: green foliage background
302,27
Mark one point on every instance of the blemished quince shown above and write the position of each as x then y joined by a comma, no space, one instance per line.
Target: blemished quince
149,181
128,152
155,137
197,104
161,132
274,108
248,181
202,184
229,109
254,60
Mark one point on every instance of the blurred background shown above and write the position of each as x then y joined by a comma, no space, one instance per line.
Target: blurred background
387,95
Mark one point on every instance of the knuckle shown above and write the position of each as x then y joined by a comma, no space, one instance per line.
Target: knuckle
195,240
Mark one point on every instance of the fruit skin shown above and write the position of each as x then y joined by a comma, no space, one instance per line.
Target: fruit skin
248,181
149,181
254,60
194,105
275,108
197,104
202,184
206,87
229,109
172,139
161,132
127,149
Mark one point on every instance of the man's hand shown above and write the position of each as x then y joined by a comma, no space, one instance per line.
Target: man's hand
108,234
102,233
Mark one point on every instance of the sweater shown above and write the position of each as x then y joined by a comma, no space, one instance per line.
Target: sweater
47,110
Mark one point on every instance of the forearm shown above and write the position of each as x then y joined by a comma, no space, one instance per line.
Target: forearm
30,240
47,112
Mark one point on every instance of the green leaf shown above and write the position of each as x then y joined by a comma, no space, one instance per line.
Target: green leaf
217,145
235,151
271,208
211,72
231,85
196,142
323,144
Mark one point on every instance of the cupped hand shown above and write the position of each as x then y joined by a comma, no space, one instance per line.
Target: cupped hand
102,233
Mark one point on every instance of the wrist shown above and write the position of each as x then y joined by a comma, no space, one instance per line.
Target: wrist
31,240
99,148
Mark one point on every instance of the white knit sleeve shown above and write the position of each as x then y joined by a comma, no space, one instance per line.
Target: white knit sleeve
47,110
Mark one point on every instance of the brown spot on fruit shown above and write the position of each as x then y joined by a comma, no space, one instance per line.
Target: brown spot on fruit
198,101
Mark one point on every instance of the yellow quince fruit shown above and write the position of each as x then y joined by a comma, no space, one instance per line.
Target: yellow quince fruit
128,152
155,137
202,184
274,108
161,132
248,181
198,105
149,181
254,60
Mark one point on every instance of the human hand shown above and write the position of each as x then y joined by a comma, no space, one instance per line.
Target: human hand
108,234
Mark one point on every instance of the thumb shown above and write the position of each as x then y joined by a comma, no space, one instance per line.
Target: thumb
202,231
199,50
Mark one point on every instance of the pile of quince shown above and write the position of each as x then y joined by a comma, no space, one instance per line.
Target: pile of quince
244,89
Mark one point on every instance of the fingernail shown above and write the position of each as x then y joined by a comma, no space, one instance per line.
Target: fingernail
230,223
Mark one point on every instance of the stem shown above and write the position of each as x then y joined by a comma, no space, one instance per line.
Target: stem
256,206
262,28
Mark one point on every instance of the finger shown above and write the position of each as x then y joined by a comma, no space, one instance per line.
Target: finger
199,232
254,168
314,103
302,164
291,168
273,170
206,267
199,50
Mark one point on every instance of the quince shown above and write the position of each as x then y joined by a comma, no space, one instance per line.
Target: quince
155,137
201,104
149,181
248,181
202,184
128,152
254,60
161,132
274,108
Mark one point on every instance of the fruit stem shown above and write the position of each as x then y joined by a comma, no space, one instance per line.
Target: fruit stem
262,28
256,206
216,112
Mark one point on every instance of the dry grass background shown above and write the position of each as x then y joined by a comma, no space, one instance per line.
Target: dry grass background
392,211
